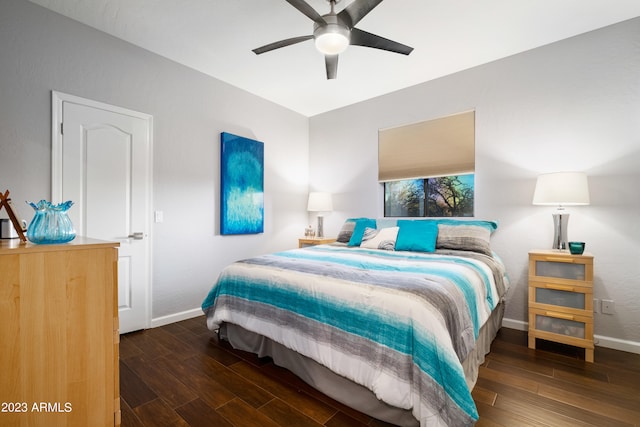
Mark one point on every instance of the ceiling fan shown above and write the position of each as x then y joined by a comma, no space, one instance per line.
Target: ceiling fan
334,32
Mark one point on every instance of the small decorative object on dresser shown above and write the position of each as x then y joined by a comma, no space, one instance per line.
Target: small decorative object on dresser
51,223
561,299
576,248
309,232
312,241
5,202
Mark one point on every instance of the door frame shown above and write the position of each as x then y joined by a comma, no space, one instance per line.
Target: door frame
57,99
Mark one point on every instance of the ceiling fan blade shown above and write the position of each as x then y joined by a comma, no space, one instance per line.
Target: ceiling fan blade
363,38
331,63
357,10
281,43
304,7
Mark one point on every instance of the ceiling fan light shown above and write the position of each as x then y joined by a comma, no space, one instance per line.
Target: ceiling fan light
332,43
332,37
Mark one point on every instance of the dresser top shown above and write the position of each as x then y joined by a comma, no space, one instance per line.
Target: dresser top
14,246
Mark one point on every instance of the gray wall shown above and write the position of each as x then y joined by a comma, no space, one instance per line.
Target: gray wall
571,105
42,51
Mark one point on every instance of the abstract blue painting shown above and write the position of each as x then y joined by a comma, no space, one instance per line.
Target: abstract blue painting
242,185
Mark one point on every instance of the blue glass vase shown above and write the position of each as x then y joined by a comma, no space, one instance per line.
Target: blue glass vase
51,223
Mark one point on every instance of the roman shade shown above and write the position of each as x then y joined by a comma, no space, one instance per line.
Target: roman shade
438,147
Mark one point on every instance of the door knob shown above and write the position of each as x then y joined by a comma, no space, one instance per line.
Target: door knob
139,235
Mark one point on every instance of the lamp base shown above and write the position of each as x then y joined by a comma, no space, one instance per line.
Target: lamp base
560,226
320,232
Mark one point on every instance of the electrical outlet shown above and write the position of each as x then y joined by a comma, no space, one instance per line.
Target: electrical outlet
596,305
608,306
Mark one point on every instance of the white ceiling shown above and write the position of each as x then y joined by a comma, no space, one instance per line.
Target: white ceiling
216,38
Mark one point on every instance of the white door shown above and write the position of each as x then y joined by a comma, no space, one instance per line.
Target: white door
101,162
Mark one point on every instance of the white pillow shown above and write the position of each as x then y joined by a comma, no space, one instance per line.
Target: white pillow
384,238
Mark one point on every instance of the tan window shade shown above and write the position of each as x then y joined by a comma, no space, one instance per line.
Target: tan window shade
439,147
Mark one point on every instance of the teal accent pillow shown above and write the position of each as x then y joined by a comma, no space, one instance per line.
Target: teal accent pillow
358,230
417,236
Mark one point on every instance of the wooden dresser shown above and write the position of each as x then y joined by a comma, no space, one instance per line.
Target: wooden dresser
59,334
561,299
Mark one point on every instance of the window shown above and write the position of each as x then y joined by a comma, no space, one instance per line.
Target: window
442,149
445,196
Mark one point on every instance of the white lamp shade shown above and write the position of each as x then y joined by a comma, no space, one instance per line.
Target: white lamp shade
561,189
320,202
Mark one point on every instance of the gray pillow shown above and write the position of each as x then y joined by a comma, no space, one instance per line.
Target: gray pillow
473,238
346,231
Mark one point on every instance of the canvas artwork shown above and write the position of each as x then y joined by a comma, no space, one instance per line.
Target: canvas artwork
242,185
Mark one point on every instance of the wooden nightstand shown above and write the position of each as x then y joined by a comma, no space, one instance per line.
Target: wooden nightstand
561,299
312,241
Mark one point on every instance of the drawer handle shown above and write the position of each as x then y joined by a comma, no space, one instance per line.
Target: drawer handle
560,287
558,259
560,315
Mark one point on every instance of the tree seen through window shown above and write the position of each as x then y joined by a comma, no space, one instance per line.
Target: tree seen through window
446,196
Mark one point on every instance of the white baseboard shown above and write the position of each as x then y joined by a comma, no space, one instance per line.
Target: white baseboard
515,324
617,344
600,340
176,317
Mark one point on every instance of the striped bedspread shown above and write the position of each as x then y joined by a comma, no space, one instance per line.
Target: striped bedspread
398,323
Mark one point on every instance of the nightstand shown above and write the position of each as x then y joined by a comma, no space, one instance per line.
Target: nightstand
561,299
312,241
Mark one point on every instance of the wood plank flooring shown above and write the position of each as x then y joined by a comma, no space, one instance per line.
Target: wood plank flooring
180,375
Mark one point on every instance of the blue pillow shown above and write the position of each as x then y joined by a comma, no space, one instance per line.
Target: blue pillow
417,236
358,230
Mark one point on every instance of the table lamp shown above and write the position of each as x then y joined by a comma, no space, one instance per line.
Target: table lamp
320,202
561,189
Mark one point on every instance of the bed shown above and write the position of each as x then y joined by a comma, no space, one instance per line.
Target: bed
393,320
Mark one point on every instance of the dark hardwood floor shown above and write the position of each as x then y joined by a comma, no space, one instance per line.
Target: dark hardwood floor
180,375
